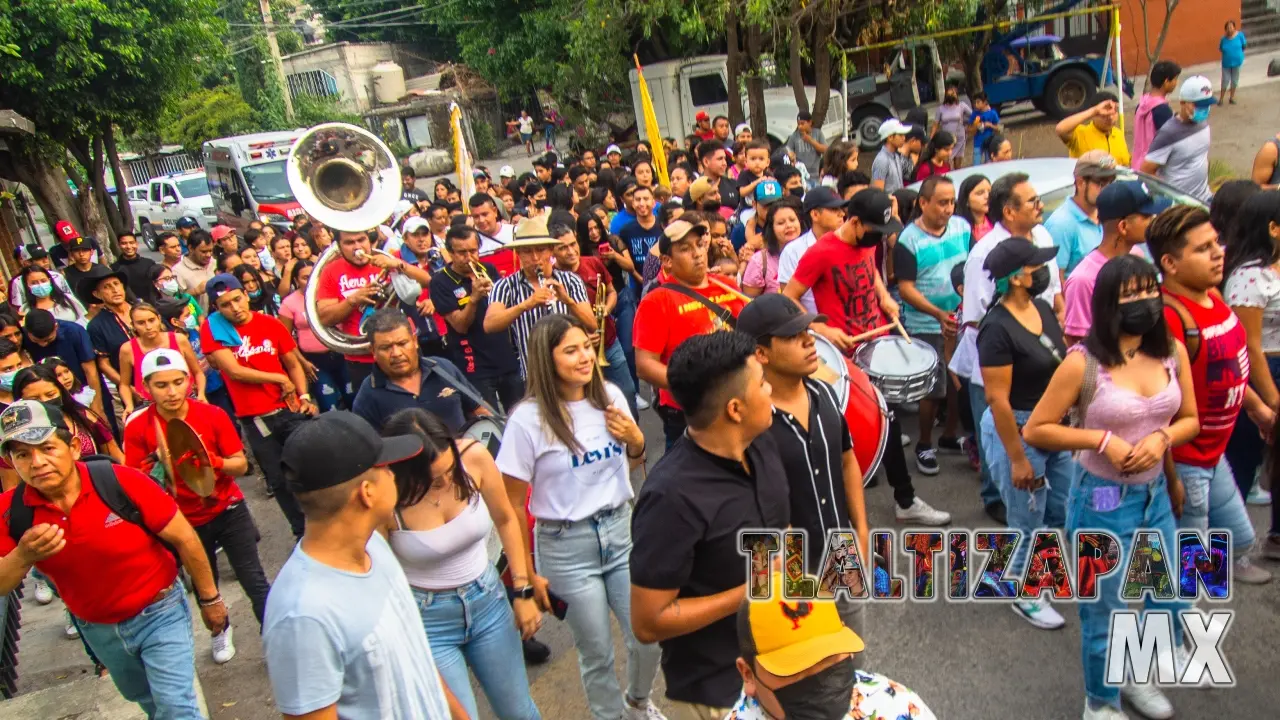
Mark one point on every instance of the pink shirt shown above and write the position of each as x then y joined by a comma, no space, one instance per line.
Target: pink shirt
1129,416
1078,294
762,272
293,308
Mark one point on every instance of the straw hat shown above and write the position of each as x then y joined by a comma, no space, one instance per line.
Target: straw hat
532,233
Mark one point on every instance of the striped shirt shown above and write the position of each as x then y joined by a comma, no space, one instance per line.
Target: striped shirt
516,288
814,462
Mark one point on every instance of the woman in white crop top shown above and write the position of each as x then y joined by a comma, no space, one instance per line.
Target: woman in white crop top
450,498
573,443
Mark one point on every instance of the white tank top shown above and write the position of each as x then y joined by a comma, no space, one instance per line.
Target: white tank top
449,556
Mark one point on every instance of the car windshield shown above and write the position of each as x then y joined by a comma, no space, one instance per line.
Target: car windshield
193,187
267,182
1160,188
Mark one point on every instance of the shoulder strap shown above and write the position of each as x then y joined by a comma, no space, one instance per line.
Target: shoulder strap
459,384
1088,388
1190,330
102,474
21,516
722,312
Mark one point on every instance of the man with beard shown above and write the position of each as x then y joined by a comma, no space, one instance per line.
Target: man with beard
136,268
640,234
349,284
1075,226
222,518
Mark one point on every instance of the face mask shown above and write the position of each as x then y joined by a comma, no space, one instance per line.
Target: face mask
824,696
255,294
189,322
871,238
1200,115
56,402
169,287
86,396
1138,317
796,192
42,290
6,380
1039,281
711,206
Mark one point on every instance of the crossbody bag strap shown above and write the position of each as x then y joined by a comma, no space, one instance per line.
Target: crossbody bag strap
721,312
1088,388
461,385
1190,330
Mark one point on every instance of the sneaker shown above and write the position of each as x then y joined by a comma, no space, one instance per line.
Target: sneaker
1040,614
71,631
641,403
1106,712
926,460
1258,496
1148,701
997,511
922,513
951,444
648,711
906,439
535,653
1246,572
223,647
1271,547
44,593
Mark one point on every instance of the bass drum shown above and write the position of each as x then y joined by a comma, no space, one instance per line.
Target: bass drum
861,403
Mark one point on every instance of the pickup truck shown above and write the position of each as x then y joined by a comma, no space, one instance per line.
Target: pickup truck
158,204
680,88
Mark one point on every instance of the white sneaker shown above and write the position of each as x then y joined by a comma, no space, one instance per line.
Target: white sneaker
1106,712
921,513
1040,614
1181,657
906,440
1148,701
648,711
1246,572
223,648
71,631
641,403
1258,496
44,593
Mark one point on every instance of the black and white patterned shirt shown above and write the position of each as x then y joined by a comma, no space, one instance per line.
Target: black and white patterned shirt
516,288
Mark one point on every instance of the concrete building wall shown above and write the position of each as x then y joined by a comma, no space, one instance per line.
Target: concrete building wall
350,64
1193,33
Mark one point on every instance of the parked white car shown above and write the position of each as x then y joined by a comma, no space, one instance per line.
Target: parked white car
167,198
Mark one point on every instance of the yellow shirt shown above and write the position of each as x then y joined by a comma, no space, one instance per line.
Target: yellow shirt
1086,137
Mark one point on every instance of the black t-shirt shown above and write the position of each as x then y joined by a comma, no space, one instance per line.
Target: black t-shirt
413,195
1160,114
477,353
729,193
1002,340
685,537
136,271
74,276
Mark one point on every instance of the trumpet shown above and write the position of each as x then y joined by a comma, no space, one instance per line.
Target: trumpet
601,298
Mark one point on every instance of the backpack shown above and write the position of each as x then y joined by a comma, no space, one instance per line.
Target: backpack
103,476
1190,330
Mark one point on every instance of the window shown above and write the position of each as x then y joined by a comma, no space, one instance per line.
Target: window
267,182
168,194
708,90
155,192
193,187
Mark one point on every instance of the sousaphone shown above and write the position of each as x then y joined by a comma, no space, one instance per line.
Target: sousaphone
345,177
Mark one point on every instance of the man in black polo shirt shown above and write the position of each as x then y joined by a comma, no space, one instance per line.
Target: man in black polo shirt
724,475
47,337
811,433
402,378
487,359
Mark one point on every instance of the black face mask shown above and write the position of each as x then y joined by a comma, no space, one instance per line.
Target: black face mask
1039,281
710,206
796,192
1139,316
871,238
824,696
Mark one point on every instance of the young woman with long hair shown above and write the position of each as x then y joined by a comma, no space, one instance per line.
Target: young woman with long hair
644,174
572,443
451,497
262,295
331,384
40,382
166,285
782,224
67,379
41,293
935,159
972,204
151,333
999,148
1143,403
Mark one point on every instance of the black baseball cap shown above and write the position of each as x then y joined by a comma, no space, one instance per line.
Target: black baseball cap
874,208
1123,198
338,446
80,243
1015,253
221,283
775,315
822,197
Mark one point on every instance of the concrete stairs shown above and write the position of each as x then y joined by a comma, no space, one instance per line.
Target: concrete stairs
1260,22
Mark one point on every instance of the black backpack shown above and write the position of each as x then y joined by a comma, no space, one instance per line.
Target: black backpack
103,476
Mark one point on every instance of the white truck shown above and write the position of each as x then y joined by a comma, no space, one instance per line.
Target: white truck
163,200
680,88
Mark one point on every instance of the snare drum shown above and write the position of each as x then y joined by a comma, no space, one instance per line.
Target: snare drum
838,378
904,372
487,430
861,404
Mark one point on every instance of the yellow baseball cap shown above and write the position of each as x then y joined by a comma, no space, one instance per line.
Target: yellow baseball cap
790,636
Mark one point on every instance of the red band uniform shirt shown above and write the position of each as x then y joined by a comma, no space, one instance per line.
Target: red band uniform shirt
338,280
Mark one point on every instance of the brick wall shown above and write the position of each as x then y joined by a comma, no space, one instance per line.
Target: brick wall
1193,35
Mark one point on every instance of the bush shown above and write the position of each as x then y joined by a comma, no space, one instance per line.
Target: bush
486,141
311,110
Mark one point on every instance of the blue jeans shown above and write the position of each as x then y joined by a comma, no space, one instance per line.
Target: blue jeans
331,387
624,312
618,372
473,626
1027,511
990,492
1213,500
588,563
1246,451
1141,506
151,656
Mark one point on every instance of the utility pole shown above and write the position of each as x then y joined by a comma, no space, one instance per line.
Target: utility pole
276,63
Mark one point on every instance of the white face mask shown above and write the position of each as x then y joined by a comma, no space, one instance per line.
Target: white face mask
169,287
85,396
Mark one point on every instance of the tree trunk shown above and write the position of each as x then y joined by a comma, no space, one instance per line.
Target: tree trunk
755,85
126,222
88,153
822,30
795,58
46,181
1154,54
733,64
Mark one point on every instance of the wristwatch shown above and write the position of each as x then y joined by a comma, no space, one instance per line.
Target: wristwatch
524,593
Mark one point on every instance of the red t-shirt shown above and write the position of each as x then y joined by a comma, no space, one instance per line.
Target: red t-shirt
665,318
1220,373
264,341
340,279
220,438
843,280
590,269
110,569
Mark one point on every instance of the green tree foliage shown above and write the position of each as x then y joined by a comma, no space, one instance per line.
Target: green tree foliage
205,115
311,110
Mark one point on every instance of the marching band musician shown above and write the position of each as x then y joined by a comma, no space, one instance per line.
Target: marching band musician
686,304
222,519
518,301
350,283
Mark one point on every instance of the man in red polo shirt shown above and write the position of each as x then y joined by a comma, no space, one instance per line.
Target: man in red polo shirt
672,313
116,576
222,519
349,283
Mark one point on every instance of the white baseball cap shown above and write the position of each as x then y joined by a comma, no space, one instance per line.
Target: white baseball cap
414,224
741,126
161,360
612,149
506,171
891,127
1197,89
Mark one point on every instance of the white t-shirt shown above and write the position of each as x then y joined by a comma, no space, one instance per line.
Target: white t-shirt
1258,286
567,486
979,289
526,125
788,261
505,234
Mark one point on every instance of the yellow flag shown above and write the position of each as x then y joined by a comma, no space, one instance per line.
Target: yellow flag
461,158
651,129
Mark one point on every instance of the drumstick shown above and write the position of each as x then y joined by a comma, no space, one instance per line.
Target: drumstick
742,296
898,324
871,333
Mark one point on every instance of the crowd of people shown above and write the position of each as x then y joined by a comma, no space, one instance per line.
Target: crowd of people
1092,364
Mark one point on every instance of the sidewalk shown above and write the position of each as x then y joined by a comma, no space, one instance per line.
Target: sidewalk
1253,73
